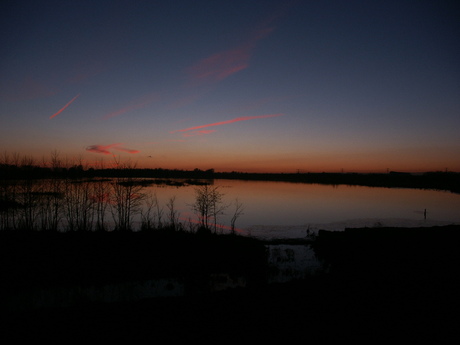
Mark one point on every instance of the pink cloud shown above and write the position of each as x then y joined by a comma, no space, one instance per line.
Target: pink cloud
104,149
100,148
222,65
243,118
62,109
137,104
126,150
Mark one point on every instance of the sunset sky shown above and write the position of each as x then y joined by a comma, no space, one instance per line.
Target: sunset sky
251,86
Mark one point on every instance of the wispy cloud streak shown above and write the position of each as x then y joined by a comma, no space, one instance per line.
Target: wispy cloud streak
223,64
62,109
138,104
104,149
243,118
126,150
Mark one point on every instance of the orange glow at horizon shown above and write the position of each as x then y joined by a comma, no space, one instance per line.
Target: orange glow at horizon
62,109
244,161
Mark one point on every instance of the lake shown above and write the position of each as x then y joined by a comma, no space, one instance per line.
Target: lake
270,209
283,209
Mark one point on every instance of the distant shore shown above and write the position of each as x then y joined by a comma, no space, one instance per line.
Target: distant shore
448,181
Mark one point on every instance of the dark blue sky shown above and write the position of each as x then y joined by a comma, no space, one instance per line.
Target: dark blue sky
234,85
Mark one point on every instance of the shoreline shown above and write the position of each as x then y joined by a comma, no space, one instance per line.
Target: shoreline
269,232
431,180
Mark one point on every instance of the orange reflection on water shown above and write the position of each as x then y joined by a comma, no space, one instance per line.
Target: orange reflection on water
294,204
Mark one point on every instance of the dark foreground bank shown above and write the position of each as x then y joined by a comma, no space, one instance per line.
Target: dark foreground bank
383,286
41,259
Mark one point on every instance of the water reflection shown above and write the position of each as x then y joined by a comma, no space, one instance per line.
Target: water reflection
276,205
271,209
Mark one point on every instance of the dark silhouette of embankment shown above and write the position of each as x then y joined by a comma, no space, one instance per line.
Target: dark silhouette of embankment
381,286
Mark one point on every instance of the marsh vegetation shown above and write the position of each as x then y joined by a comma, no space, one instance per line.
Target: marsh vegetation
57,198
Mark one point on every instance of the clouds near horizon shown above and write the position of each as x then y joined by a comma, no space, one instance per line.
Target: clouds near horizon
104,149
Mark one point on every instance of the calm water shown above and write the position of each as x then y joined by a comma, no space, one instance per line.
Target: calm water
293,207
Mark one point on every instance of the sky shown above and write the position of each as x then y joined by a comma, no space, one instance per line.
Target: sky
248,86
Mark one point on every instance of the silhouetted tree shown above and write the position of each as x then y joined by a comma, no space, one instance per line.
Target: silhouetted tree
151,214
236,214
173,213
208,205
126,197
79,202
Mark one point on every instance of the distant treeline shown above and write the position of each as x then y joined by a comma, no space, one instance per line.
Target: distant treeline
10,171
449,181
